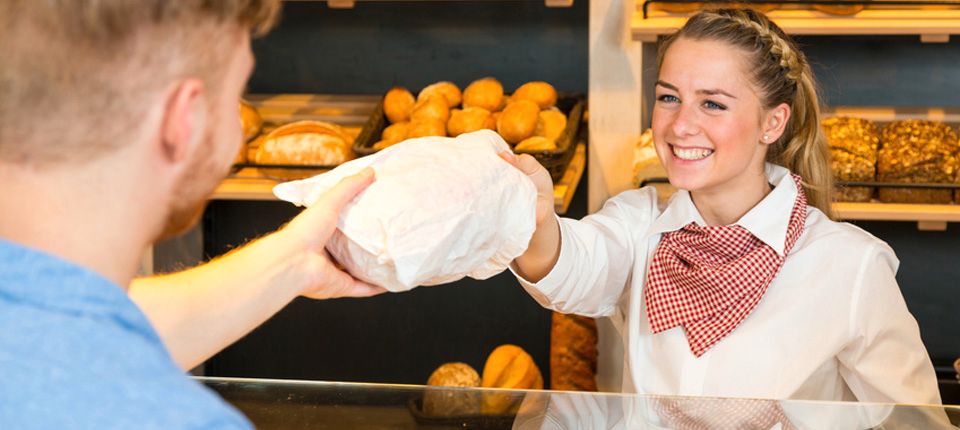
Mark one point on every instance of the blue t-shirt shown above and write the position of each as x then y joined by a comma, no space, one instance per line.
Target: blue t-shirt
76,352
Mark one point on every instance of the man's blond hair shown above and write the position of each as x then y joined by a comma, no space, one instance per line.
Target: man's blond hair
75,74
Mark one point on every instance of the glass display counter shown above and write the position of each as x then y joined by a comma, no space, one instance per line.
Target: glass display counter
283,404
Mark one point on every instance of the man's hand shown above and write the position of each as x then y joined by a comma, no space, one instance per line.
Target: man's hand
540,177
314,227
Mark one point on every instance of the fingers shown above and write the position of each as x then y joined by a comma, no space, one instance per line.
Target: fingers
528,164
316,223
525,162
348,188
337,283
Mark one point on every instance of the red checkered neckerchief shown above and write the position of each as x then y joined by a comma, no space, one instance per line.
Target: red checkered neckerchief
708,279
721,414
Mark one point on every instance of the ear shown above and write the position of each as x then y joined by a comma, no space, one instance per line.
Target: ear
774,122
183,120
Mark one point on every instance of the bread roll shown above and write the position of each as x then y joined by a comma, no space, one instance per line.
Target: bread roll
452,402
518,121
573,353
551,124
916,151
426,127
467,120
536,143
398,104
433,107
383,144
508,366
853,155
541,93
396,132
250,121
448,90
486,93
838,9
304,142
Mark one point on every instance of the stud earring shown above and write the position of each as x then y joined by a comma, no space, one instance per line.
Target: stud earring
766,138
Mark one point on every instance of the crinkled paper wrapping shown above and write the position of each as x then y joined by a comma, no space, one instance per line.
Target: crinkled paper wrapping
440,209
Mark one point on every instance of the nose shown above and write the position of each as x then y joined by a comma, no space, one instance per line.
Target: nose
685,122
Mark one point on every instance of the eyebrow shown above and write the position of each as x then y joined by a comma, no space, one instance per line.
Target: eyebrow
709,92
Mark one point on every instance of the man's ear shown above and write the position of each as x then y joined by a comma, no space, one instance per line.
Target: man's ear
184,119
774,122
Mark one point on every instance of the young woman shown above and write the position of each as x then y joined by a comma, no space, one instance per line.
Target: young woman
742,285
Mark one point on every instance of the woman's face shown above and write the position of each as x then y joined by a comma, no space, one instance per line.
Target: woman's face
707,119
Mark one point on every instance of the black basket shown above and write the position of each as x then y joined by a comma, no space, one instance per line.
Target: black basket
555,161
479,421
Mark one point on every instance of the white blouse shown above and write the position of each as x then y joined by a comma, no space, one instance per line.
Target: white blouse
831,326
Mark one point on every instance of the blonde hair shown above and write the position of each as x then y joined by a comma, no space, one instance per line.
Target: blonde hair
782,75
76,76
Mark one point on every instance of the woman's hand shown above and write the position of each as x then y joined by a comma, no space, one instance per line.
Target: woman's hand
540,177
544,249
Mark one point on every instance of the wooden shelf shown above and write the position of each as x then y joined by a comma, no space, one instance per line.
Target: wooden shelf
350,4
932,25
927,217
248,185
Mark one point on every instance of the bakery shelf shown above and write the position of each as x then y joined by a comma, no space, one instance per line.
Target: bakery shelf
350,4
248,185
932,25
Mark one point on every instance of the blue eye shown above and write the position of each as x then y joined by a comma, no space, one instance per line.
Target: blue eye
667,98
714,105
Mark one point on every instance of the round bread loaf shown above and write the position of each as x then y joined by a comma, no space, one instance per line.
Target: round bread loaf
448,90
551,124
508,366
486,93
432,107
541,93
440,402
917,151
396,132
518,121
398,104
426,127
250,121
536,143
853,155
467,120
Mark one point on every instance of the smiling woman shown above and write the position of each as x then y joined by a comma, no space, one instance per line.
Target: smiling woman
737,287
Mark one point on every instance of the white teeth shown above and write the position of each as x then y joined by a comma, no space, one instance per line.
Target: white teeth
691,153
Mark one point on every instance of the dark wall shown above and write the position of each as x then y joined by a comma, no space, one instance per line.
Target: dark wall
376,45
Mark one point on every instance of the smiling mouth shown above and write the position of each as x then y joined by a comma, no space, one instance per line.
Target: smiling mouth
691,154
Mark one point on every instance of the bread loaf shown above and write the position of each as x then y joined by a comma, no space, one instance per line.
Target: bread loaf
486,93
917,151
452,402
467,120
518,121
448,90
398,104
508,366
541,93
550,124
573,353
304,143
250,121
853,155
536,143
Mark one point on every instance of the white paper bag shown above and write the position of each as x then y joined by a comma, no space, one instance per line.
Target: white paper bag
440,209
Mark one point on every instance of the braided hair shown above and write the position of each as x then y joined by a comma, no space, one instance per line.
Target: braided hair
781,74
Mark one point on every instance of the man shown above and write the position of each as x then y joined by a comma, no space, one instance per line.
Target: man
117,119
